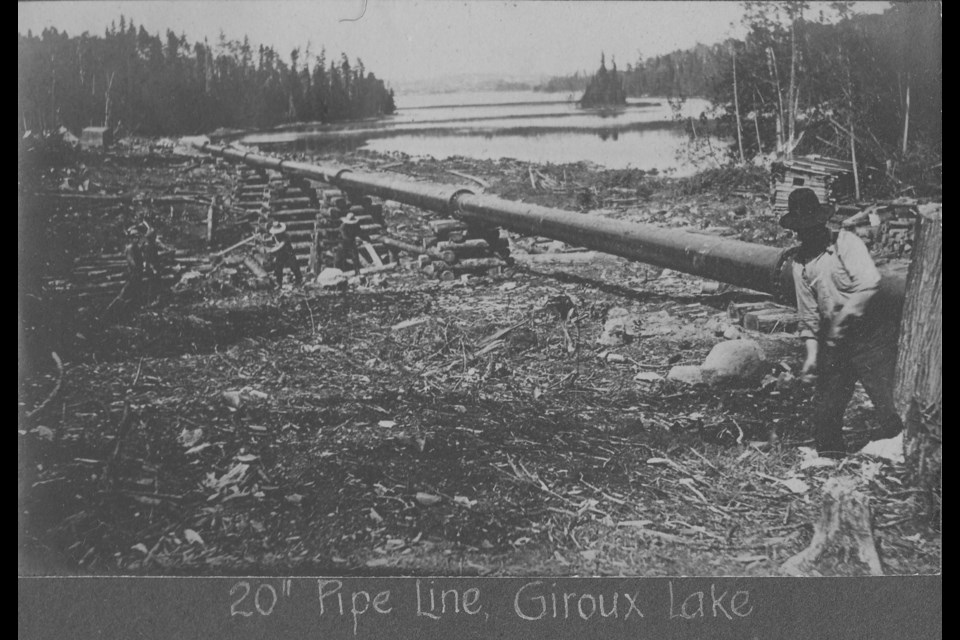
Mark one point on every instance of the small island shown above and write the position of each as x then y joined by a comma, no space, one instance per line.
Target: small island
605,88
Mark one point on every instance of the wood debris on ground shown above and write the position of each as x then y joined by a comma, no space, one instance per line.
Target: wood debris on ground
407,425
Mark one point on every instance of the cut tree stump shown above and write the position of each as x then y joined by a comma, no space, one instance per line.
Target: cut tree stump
842,543
918,391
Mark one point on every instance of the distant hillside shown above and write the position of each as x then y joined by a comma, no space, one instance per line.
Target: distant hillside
688,73
469,82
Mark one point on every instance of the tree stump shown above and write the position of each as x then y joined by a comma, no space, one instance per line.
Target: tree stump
918,392
842,543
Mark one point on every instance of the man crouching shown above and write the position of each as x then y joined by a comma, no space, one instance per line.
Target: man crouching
847,337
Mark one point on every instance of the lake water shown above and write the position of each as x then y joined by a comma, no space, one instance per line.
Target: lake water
525,125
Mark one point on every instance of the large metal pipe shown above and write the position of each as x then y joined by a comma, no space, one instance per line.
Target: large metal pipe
742,264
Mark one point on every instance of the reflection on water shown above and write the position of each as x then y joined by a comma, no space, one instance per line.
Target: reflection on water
649,149
528,126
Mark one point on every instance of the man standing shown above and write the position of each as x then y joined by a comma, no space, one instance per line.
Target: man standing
846,335
349,233
283,254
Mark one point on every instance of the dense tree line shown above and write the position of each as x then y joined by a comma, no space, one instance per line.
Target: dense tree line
804,84
153,85
799,82
679,73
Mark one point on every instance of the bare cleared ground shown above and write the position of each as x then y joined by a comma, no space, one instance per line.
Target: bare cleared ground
299,432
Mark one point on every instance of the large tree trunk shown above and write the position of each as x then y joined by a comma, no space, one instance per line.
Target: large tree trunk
791,95
736,103
919,385
853,160
906,119
772,65
107,100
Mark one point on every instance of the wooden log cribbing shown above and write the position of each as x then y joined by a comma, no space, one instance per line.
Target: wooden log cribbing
765,317
772,321
292,202
409,247
737,310
285,215
441,228
445,271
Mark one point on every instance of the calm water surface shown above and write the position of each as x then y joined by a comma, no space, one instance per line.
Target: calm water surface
525,125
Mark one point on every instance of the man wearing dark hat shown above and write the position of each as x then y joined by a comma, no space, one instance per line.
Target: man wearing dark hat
847,339
283,254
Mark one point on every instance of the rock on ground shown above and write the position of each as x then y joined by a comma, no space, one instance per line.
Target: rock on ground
734,363
331,278
687,374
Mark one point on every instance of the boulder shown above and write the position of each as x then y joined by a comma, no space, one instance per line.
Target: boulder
734,363
687,374
332,278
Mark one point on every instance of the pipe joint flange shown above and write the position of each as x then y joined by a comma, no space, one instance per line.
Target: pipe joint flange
453,205
782,278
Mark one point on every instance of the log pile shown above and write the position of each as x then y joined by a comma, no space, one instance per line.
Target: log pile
251,192
456,249
764,317
99,278
370,213
887,228
311,214
297,205
830,179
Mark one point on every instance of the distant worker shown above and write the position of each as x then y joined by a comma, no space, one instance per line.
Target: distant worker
847,336
350,232
283,254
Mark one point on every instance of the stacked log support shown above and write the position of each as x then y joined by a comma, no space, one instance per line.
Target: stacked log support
458,248
765,317
297,205
334,206
252,192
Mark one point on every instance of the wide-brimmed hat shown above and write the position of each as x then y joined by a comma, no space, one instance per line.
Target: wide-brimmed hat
277,228
804,211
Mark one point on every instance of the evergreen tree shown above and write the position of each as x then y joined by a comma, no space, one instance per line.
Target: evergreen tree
142,83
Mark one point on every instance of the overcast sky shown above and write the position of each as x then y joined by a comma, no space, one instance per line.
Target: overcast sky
403,40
